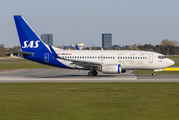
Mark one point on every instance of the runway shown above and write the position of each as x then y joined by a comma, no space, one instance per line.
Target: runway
66,75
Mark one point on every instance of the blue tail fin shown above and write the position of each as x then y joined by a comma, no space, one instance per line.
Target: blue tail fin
77,47
28,39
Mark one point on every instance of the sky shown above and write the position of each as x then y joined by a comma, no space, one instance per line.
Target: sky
72,21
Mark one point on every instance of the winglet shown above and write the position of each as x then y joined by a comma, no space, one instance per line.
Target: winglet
77,47
53,52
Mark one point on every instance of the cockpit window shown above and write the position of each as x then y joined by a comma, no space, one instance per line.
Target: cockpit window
161,57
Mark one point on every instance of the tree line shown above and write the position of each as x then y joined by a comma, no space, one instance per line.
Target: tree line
2,50
167,47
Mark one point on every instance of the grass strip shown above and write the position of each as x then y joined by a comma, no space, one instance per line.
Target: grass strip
176,63
89,101
15,61
19,65
173,57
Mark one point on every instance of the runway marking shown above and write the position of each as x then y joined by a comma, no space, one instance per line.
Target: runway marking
159,79
42,71
11,71
4,78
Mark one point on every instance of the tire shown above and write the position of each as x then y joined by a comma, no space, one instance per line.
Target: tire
154,74
94,73
90,73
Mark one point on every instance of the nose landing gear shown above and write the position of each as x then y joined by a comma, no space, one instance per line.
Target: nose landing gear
154,74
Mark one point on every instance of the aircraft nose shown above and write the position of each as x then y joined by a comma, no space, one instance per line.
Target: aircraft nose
171,62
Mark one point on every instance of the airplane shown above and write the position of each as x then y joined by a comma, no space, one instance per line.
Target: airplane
105,61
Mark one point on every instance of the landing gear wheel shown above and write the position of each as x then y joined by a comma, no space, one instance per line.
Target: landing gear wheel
94,73
154,74
90,73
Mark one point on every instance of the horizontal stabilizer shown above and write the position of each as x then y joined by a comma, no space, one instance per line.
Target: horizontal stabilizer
26,53
21,52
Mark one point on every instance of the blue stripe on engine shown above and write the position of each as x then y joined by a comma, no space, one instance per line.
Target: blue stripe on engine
118,68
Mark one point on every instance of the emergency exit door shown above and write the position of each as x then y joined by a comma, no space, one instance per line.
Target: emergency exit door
150,58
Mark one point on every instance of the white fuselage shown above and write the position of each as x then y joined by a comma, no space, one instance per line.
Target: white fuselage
128,59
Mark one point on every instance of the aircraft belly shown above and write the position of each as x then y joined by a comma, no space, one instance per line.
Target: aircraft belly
137,64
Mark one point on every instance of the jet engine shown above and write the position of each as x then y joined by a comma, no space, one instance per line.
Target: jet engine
112,69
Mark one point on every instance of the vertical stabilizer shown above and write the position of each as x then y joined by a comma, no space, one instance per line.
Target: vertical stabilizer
28,39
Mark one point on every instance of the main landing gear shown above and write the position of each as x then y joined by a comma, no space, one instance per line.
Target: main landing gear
154,74
92,73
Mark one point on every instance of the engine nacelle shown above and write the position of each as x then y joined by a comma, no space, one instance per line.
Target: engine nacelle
111,68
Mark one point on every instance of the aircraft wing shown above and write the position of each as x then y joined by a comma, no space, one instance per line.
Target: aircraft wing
84,63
